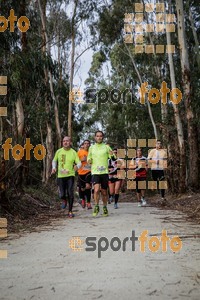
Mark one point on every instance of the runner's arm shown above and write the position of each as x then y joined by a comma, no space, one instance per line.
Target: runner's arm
132,164
110,152
54,163
89,157
77,162
150,158
82,157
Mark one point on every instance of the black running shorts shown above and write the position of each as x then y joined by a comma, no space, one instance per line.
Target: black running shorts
100,179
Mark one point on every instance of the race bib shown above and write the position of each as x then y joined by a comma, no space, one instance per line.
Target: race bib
87,167
64,171
101,168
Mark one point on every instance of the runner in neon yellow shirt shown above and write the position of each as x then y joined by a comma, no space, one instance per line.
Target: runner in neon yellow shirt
98,157
66,162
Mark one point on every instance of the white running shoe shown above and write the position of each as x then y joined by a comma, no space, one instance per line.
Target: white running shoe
144,203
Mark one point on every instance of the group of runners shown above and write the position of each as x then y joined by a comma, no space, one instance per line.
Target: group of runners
98,173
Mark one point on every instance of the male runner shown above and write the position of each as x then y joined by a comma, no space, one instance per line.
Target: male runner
66,162
114,164
84,176
140,165
98,157
157,158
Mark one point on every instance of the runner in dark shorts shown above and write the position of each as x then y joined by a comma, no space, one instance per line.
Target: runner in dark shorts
157,159
115,183
140,165
84,176
98,156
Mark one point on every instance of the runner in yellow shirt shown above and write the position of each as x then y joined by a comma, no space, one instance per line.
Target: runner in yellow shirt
65,163
98,158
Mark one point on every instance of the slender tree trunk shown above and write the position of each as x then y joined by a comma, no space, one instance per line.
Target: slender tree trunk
179,125
2,169
73,36
195,37
148,104
49,139
191,127
158,75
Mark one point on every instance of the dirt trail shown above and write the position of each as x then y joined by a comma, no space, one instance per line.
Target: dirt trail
41,265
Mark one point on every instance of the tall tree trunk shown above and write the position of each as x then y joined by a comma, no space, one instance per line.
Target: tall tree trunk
191,127
49,138
50,79
19,111
140,80
73,36
158,75
195,37
179,125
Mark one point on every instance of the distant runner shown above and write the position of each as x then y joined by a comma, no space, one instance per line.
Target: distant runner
84,176
114,164
98,157
140,165
157,158
66,162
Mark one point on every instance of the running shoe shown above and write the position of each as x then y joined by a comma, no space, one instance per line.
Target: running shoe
64,204
96,210
140,204
79,201
110,200
89,205
83,203
144,203
105,211
115,206
70,215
